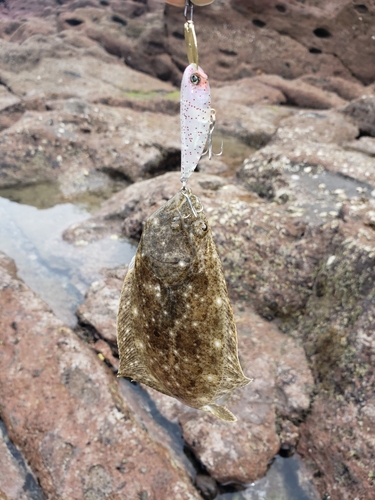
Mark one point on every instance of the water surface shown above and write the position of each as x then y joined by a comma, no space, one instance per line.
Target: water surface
57,271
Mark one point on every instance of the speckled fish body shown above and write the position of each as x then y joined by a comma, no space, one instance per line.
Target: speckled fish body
176,331
195,118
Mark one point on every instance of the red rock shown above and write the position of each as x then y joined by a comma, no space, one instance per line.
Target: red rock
67,66
101,305
361,112
79,144
315,127
346,89
248,91
304,95
364,145
289,39
241,47
338,334
16,480
62,407
254,125
325,27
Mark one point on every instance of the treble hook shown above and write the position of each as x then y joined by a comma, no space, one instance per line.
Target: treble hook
185,192
209,138
188,5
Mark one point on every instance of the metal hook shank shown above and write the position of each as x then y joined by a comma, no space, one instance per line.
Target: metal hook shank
188,5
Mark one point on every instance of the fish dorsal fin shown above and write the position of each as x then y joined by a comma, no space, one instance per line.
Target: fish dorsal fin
220,412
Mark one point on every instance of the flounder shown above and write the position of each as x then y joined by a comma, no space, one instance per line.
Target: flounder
176,331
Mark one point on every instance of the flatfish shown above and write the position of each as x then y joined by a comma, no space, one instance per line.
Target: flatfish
176,331
195,118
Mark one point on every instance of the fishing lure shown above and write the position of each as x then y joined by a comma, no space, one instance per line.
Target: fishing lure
176,331
195,118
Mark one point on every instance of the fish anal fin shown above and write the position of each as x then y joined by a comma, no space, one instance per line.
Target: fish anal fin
219,412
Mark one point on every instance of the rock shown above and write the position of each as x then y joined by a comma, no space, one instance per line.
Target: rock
302,94
338,334
244,46
328,27
248,91
331,157
9,108
27,28
296,40
85,146
121,33
57,67
364,145
361,112
105,353
283,387
254,125
7,99
316,140
17,482
81,440
289,436
100,308
316,127
346,89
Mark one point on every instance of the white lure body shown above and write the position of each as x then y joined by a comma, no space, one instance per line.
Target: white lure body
195,118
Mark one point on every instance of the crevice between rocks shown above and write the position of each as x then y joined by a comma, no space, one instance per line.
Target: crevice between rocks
8,88
31,486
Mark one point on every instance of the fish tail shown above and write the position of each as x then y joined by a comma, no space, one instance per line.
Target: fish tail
220,412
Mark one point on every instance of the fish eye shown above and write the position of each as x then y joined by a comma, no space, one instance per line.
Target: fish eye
200,228
195,79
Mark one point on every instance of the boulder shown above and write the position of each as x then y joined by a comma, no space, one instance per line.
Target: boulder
82,439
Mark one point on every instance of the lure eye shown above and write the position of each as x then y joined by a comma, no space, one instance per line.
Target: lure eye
195,79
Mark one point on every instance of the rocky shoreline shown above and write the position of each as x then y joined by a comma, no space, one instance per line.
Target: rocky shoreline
88,100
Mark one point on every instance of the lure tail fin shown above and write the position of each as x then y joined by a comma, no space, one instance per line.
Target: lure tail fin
219,412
